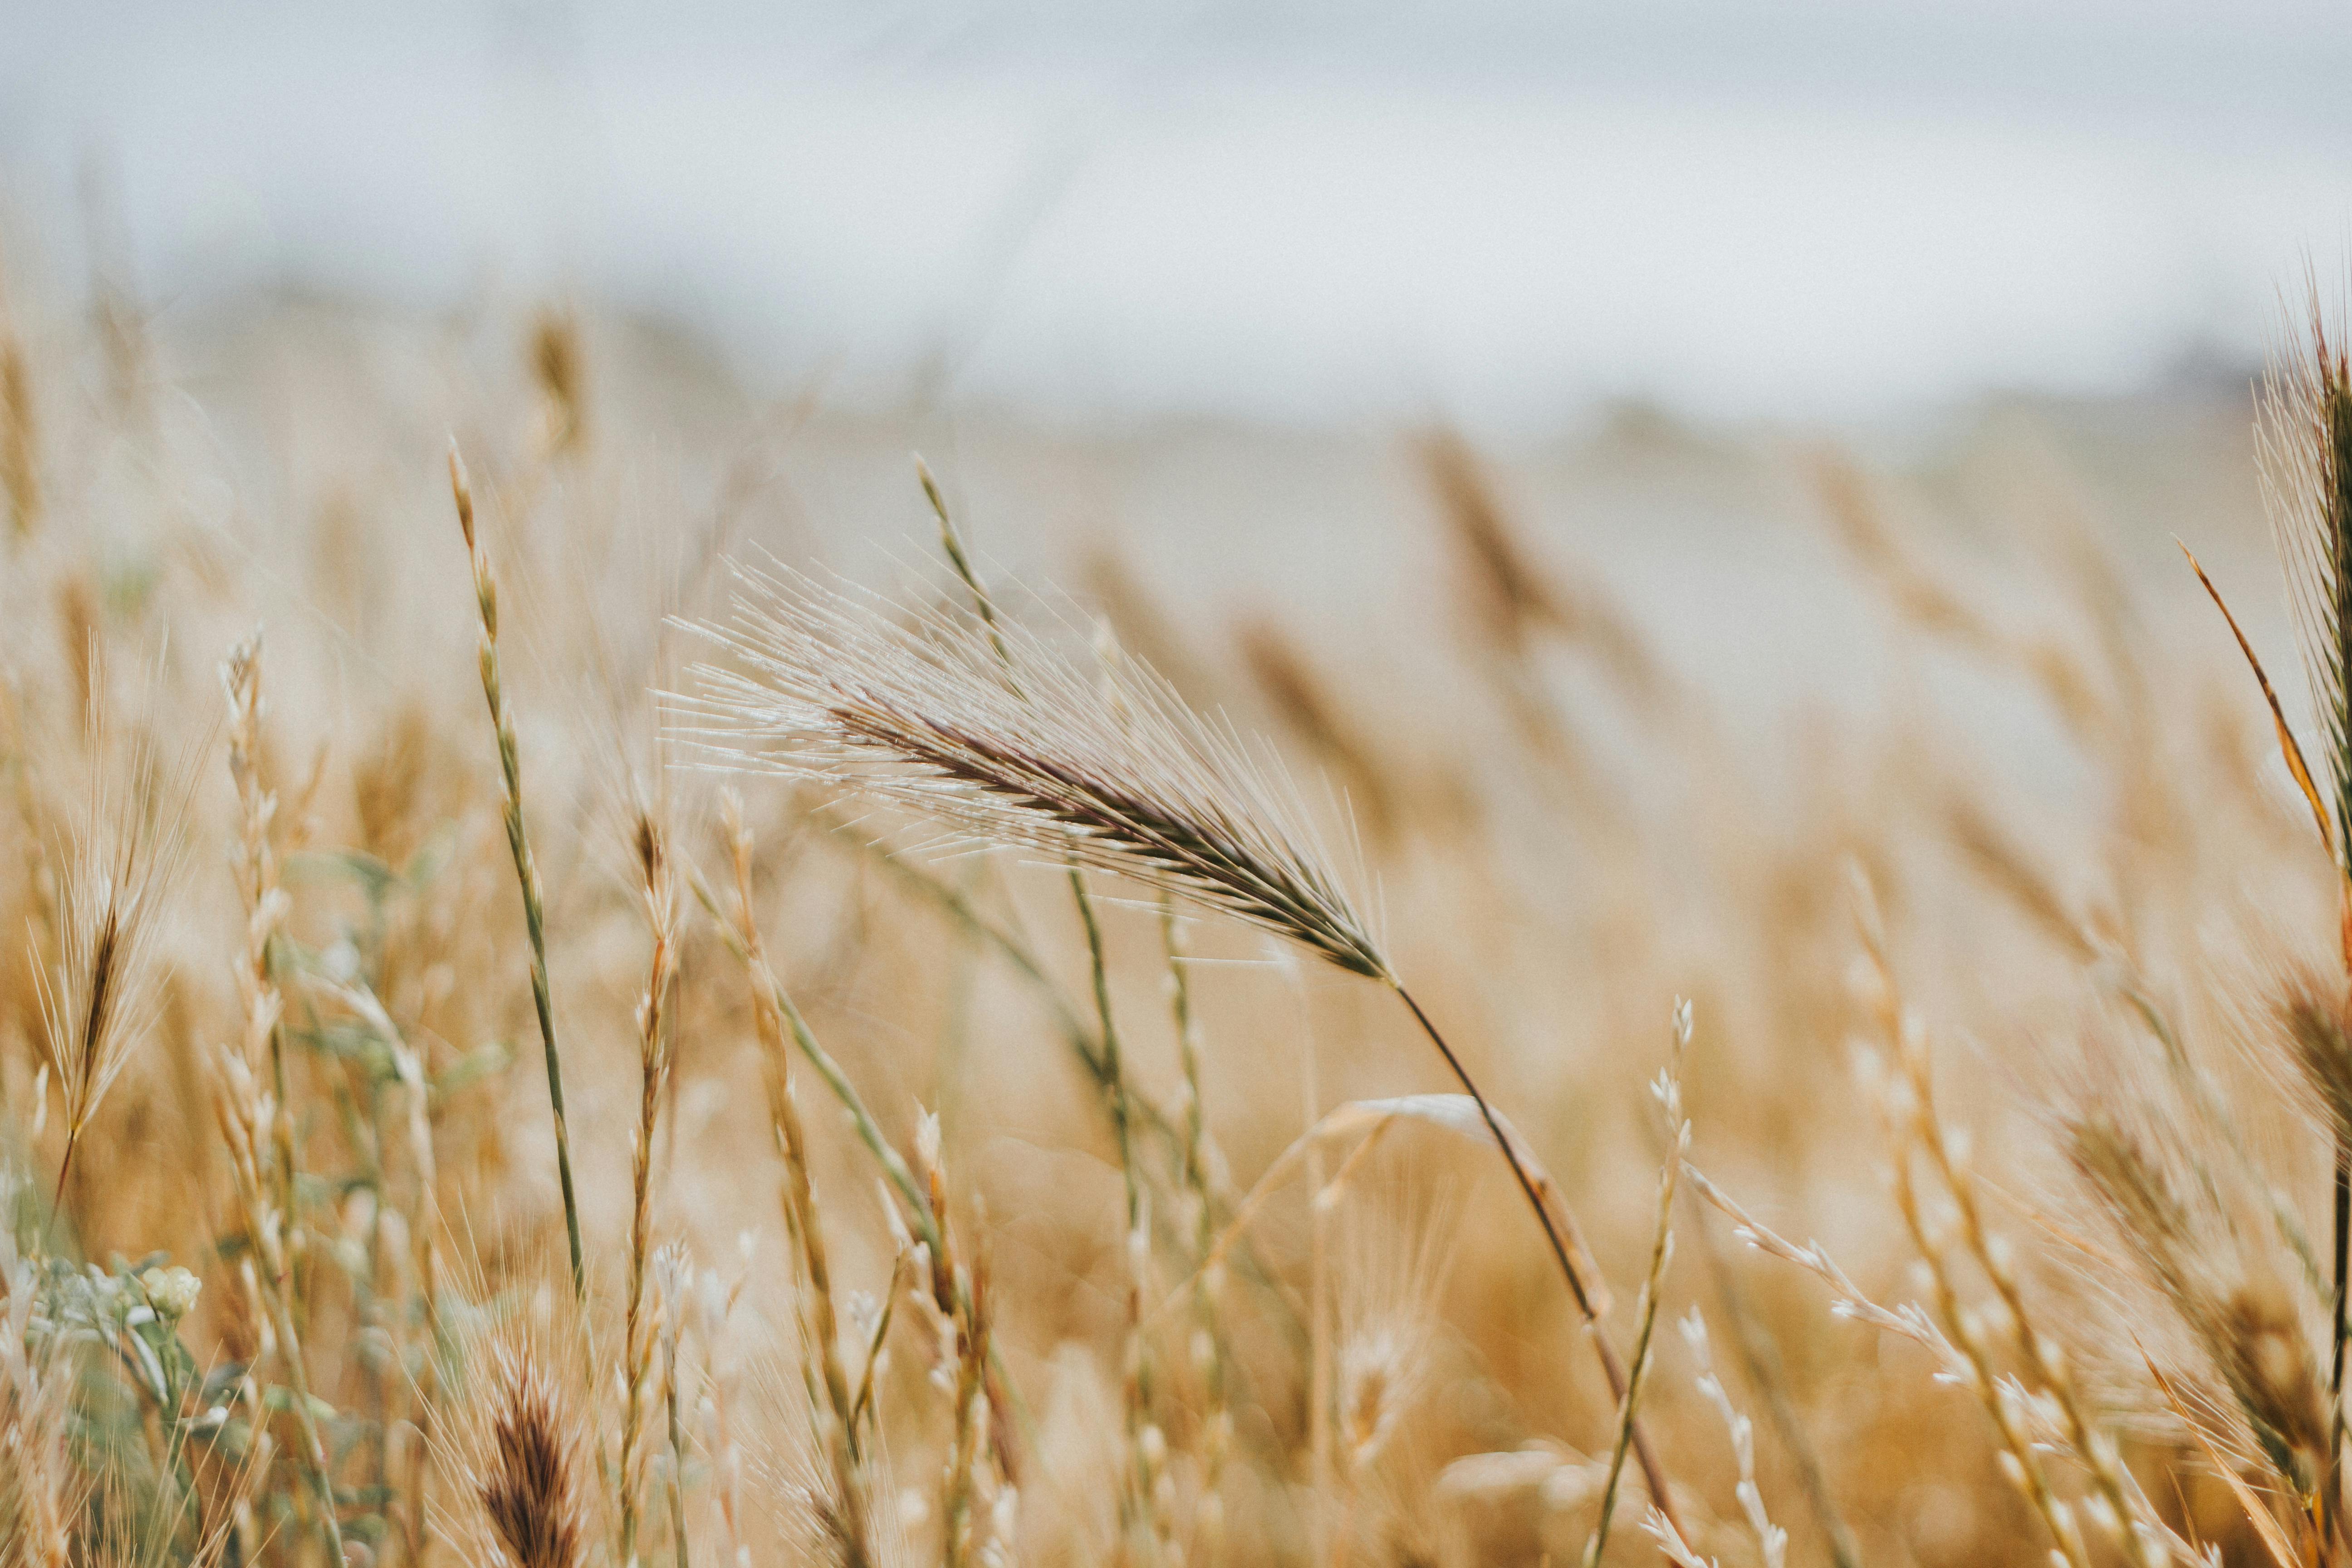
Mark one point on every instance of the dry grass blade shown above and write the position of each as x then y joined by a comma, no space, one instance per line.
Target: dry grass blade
2290,749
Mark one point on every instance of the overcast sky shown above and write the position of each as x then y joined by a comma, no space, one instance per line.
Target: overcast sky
1504,212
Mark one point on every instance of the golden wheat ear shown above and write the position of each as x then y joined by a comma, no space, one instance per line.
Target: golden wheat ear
2304,439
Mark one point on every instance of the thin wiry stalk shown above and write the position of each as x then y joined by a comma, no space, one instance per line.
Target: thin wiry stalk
674,1274
2305,438
1134,1386
1209,1339
974,1327
534,912
654,1056
981,726
1669,1093
738,931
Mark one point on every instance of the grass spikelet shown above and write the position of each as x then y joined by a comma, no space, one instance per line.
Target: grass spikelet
1922,1142
980,724
265,902
100,1000
534,912
2240,1319
528,1478
1771,1540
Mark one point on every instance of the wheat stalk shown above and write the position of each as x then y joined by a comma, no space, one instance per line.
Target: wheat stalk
534,912
654,1056
832,1402
1668,1091
979,724
2304,439
1208,1333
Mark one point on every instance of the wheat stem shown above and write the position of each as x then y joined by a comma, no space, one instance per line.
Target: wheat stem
654,1056
485,599
1654,1475
1669,1093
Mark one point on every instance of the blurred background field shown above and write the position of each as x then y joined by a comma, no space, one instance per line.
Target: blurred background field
1647,466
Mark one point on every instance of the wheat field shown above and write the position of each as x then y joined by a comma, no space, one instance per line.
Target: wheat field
1013,998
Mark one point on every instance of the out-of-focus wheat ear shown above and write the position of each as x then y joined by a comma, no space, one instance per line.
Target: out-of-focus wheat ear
1668,1091
559,366
265,902
2245,1324
100,1003
20,470
2312,1017
486,600
527,1476
658,887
